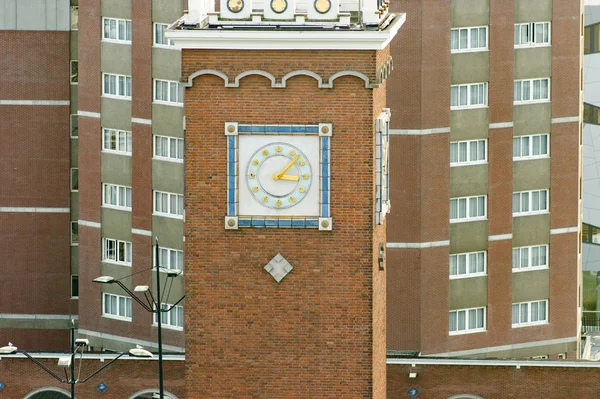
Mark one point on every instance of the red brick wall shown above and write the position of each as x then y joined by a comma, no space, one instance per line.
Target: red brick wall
90,76
312,334
500,94
124,377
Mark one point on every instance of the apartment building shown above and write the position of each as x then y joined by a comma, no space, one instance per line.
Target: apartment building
483,244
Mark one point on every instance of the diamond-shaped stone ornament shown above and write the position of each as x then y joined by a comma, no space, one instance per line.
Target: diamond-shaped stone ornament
278,267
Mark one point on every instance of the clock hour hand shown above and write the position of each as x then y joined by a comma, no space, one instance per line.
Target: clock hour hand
288,177
277,176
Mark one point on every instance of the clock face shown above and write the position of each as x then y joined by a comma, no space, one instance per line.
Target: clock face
279,175
322,6
235,6
279,6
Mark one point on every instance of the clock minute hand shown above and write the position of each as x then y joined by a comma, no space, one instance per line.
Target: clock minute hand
277,176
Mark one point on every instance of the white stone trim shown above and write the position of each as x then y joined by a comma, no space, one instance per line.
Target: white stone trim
564,230
10,209
132,341
88,114
263,39
418,132
566,119
417,245
501,125
35,102
141,232
27,316
89,224
499,348
500,237
142,121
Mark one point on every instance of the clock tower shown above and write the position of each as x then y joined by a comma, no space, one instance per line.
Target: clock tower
286,197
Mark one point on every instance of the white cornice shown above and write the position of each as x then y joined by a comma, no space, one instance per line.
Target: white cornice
268,39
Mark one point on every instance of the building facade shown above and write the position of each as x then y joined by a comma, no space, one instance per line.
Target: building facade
483,244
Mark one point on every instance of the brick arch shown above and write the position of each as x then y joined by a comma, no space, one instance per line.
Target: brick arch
52,393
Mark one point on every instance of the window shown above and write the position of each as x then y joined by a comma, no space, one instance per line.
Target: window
74,126
74,286
74,72
118,30
529,258
116,86
74,18
468,264
467,208
533,146
172,318
591,114
467,321
468,152
532,34
168,148
170,258
472,95
530,202
116,306
590,234
468,39
532,90
159,35
117,141
74,179
74,233
529,313
591,39
166,91
115,196
168,204
116,251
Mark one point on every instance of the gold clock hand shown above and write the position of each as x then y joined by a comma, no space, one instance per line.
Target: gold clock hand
277,176
289,177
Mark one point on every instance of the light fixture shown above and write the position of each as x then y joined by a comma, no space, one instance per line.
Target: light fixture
138,351
141,288
104,280
9,349
64,362
82,342
173,272
412,375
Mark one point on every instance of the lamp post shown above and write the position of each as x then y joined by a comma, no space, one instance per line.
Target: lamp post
151,304
68,362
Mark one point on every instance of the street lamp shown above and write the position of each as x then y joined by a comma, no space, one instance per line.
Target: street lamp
151,304
68,362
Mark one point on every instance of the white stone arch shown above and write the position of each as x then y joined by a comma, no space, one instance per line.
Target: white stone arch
67,394
465,396
304,72
255,72
201,72
168,395
350,73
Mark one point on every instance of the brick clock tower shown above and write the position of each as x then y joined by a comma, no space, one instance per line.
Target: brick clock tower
286,196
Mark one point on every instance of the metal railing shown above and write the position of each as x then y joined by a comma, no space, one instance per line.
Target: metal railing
590,324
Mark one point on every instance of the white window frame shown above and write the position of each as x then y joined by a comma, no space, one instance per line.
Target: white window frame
529,312
178,101
169,45
74,75
469,47
120,302
74,123
469,100
522,258
532,29
74,242
468,258
118,93
123,138
166,317
121,203
170,140
529,83
123,30
74,173
127,248
169,254
169,198
468,206
529,199
74,18
468,144
530,139
468,313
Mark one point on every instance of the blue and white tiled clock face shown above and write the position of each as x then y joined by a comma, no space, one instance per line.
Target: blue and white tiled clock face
279,175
